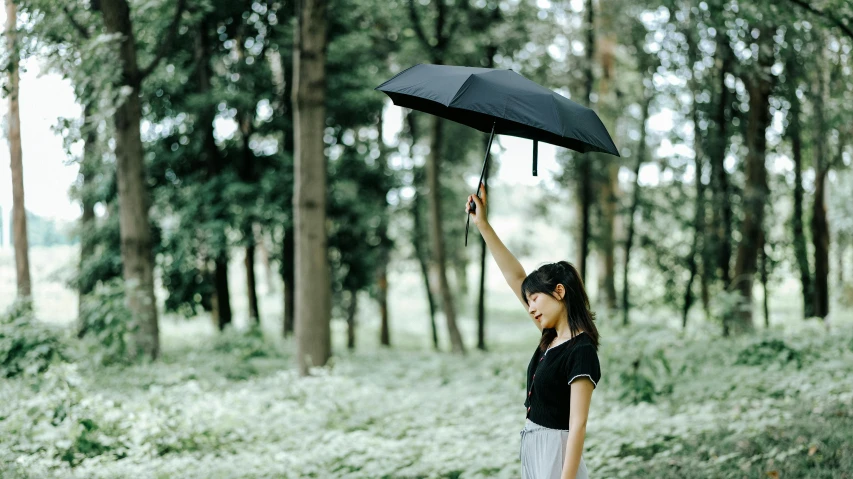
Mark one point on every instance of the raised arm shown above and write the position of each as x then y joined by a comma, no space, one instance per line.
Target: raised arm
510,267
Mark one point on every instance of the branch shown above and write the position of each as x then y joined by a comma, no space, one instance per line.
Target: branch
416,23
846,29
83,32
166,42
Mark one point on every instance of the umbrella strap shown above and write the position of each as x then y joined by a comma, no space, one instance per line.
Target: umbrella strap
535,156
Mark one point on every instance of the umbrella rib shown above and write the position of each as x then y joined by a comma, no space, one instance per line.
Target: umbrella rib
559,120
462,89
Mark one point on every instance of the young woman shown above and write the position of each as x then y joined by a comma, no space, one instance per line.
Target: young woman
564,368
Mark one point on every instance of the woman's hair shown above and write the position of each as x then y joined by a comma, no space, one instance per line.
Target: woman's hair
545,280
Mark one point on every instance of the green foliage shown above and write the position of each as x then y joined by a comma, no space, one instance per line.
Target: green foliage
27,347
769,351
106,321
244,345
649,378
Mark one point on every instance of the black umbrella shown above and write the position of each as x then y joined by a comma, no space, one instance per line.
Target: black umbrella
502,102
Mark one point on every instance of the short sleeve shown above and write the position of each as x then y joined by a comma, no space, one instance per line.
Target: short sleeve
583,362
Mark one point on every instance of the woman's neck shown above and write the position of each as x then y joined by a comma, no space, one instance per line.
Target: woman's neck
563,330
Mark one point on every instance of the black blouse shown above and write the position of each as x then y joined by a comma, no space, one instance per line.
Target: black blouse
550,375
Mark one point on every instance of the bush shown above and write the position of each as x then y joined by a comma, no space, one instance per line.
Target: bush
769,351
244,344
104,317
26,345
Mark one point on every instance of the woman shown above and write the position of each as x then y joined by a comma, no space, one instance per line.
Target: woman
564,368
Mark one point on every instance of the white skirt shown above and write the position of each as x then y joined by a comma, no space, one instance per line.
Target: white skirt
543,451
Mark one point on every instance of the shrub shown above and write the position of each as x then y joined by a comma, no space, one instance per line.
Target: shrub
769,351
26,345
104,317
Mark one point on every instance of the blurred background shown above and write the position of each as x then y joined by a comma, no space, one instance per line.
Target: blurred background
157,318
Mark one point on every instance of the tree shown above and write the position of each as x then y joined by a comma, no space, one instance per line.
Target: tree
19,215
137,257
437,50
821,161
759,86
794,133
312,298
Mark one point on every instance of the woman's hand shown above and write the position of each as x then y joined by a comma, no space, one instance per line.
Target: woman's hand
479,214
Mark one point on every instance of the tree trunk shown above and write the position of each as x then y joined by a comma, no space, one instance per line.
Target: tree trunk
19,212
696,250
352,307
585,176
247,175
722,211
212,158
437,238
763,273
422,261
135,229
264,253
288,277
418,234
799,241
819,223
313,289
222,310
481,292
635,201
491,51
382,283
283,105
89,167
755,190
385,257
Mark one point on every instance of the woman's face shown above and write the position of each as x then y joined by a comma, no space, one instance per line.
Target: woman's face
545,308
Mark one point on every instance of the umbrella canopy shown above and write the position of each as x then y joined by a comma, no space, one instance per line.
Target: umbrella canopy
486,98
502,102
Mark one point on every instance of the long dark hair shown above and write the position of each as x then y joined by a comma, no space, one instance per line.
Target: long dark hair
545,279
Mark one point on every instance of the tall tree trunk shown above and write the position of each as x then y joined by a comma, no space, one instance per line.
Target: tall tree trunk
284,105
382,283
418,234
794,131
222,306
264,253
763,275
89,167
382,273
491,51
135,230
437,237
222,314
19,212
481,292
352,307
635,201
694,262
247,175
755,190
609,195
289,278
722,211
313,289
819,223
585,174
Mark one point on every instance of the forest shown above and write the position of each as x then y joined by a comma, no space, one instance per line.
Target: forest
269,275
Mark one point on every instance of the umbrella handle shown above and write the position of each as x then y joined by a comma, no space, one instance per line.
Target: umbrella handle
471,204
